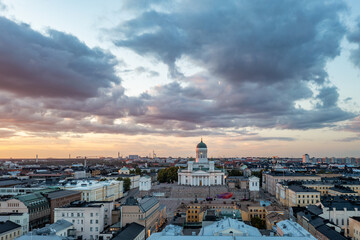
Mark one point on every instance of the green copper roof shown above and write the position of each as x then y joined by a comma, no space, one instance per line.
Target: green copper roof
201,145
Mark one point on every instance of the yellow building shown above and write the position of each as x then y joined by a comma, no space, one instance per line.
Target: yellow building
353,186
354,228
251,210
322,187
341,191
302,196
10,230
271,179
194,213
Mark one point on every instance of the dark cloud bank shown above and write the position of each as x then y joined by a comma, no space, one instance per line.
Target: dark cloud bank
259,58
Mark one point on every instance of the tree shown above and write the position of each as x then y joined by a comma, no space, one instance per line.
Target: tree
126,182
168,175
235,173
137,171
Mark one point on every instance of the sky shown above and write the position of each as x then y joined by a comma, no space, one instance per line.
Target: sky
252,78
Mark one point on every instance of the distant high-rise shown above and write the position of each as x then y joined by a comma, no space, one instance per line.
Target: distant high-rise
306,158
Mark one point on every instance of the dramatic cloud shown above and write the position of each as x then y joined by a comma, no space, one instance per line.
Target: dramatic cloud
255,61
7,133
57,65
259,58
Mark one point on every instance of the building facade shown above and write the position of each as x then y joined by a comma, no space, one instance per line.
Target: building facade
145,211
88,218
9,230
145,183
92,190
19,218
201,172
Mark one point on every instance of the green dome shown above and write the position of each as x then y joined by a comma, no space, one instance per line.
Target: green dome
201,145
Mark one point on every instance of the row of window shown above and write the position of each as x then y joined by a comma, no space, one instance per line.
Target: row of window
11,235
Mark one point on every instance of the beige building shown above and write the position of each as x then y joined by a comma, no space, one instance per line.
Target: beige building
341,191
271,179
146,212
322,187
301,196
296,195
9,230
35,204
354,228
92,190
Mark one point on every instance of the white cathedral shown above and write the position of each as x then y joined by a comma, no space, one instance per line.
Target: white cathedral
202,172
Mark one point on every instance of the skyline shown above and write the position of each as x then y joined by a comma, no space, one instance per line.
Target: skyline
253,78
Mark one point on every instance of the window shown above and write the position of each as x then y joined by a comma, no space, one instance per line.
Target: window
91,221
91,214
96,221
90,229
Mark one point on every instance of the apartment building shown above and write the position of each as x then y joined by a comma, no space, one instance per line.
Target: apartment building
35,204
195,213
88,218
338,210
354,228
302,196
61,198
322,187
9,230
338,190
145,211
272,178
20,218
92,190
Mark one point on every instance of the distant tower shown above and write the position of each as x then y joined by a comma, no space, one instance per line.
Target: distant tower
37,158
306,158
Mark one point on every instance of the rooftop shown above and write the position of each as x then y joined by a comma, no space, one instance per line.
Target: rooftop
8,226
293,229
130,232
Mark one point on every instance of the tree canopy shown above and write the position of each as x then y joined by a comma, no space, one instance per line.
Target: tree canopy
169,175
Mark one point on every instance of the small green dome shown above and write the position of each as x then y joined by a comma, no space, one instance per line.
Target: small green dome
201,145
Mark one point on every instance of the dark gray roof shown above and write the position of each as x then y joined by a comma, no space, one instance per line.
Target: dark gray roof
130,232
8,226
61,193
330,233
342,189
146,204
298,188
10,182
314,209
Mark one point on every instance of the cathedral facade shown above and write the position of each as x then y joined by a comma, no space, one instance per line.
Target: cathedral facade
202,172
